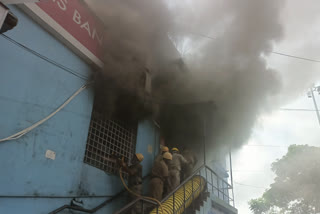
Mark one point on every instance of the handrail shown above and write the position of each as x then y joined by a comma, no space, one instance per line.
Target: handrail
211,170
221,189
165,198
78,208
217,188
93,210
193,174
185,181
197,171
205,175
133,203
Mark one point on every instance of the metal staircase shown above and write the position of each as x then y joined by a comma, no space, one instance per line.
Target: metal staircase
190,195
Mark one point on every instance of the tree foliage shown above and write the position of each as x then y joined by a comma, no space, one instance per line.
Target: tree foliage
296,187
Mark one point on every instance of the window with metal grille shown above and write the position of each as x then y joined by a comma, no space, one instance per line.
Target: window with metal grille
109,137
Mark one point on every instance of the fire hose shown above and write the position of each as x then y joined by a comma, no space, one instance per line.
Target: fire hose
140,196
184,196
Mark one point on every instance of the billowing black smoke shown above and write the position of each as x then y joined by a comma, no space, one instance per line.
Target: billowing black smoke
227,69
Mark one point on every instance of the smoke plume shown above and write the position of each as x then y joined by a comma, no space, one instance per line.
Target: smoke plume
230,69
223,44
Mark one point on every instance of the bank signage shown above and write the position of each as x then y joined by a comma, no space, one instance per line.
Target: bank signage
74,23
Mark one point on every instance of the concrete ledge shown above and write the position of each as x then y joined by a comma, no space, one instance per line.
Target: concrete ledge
222,205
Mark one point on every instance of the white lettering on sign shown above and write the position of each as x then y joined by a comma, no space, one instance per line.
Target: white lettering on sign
75,24
76,17
50,154
62,4
87,27
95,35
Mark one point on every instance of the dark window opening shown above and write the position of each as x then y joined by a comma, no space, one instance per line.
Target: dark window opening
106,138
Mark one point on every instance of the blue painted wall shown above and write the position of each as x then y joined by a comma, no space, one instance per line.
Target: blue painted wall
147,138
30,89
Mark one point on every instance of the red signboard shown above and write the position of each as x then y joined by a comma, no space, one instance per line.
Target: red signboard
80,26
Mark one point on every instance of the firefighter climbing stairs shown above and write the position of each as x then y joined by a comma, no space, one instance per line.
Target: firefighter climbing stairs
189,197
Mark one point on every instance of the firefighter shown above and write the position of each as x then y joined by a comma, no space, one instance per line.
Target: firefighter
164,149
175,168
135,180
190,156
159,176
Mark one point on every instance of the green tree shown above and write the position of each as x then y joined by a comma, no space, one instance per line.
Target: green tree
296,187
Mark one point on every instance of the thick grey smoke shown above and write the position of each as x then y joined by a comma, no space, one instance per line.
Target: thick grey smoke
229,69
135,35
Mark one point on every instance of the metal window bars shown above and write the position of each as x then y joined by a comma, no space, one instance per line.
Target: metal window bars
201,183
108,137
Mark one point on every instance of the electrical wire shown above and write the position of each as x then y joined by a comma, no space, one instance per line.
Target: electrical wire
250,171
266,145
202,35
139,196
250,185
69,70
296,57
273,52
27,130
86,78
297,109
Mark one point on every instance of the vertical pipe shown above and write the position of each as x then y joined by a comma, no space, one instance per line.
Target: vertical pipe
204,139
173,204
315,105
231,175
200,184
156,137
205,168
212,181
142,206
222,191
192,188
184,198
192,193
218,187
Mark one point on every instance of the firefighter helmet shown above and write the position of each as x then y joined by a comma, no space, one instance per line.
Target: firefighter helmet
139,156
167,156
165,149
175,149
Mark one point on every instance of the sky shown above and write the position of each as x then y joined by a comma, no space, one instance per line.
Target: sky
277,129
269,141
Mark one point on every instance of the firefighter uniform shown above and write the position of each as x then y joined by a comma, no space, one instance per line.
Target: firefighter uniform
192,161
164,149
135,182
159,176
175,168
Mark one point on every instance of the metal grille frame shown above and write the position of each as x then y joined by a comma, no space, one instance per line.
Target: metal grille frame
109,137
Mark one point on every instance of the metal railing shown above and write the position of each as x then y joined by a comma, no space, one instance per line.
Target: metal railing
95,209
219,187
141,200
187,201
210,182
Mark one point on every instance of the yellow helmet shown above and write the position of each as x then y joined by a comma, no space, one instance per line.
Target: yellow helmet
165,149
167,156
175,149
139,156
